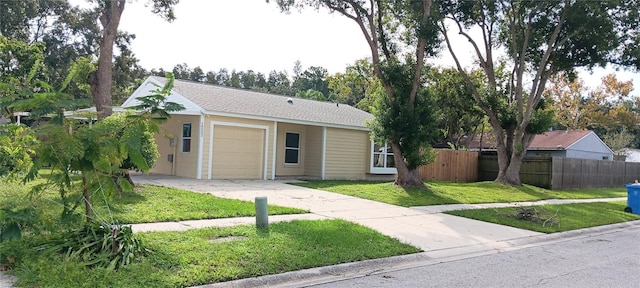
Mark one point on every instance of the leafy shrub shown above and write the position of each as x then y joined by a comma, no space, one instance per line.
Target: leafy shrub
16,142
12,221
99,245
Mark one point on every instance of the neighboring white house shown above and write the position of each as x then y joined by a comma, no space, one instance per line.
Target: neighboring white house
630,154
582,144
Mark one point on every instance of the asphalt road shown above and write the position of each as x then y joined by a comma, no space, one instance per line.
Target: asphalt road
607,260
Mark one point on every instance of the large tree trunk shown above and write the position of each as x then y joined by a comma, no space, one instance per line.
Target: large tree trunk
503,164
406,178
510,160
512,175
101,79
509,172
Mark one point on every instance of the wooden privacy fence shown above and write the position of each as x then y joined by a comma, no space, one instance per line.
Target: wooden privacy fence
451,165
566,173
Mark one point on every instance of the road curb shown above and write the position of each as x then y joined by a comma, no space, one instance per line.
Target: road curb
325,274
574,234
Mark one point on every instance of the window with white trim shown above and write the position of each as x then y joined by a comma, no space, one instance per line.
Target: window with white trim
186,137
292,148
382,160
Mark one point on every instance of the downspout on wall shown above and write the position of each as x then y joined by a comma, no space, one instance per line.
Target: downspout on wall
200,148
324,153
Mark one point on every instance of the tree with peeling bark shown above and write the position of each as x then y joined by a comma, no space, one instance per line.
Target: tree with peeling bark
110,12
540,39
400,34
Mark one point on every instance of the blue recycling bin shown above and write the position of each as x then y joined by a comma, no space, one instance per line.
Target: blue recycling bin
633,199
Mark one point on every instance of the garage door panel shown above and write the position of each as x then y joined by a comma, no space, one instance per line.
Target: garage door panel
237,152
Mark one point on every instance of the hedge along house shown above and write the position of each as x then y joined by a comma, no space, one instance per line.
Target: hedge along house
228,133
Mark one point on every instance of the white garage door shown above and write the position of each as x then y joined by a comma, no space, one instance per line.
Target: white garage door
237,152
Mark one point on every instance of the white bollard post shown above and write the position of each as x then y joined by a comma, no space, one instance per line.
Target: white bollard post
262,213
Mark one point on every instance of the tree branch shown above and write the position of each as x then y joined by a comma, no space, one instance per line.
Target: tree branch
369,35
487,33
483,63
422,43
463,73
383,37
538,80
522,64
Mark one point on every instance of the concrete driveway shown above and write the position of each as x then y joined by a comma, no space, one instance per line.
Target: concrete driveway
432,232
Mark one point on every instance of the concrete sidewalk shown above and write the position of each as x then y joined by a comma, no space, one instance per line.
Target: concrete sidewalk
224,222
452,207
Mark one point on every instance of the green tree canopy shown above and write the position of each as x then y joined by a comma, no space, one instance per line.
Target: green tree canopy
355,86
458,114
541,38
400,35
21,72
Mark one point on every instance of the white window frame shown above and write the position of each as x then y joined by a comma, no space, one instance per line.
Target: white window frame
182,137
381,170
292,148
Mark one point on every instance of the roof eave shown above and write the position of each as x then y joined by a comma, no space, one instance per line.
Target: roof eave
292,121
546,149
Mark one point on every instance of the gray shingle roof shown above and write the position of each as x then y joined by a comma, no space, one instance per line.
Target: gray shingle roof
214,98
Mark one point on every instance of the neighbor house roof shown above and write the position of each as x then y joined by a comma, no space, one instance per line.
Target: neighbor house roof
479,141
550,140
214,99
557,139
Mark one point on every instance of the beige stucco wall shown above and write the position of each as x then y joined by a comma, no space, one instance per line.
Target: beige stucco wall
347,151
184,163
290,169
347,154
313,152
269,136
162,166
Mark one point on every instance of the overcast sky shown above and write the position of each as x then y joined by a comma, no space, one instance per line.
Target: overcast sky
253,34
242,35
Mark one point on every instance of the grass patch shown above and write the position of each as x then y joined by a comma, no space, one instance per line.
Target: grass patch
147,204
158,204
188,258
437,193
569,216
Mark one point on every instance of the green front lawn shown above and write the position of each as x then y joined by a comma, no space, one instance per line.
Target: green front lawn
159,204
566,217
197,257
147,204
438,193
185,258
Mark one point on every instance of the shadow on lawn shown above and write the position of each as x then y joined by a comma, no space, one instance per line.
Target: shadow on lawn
383,191
534,191
123,199
422,196
126,198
